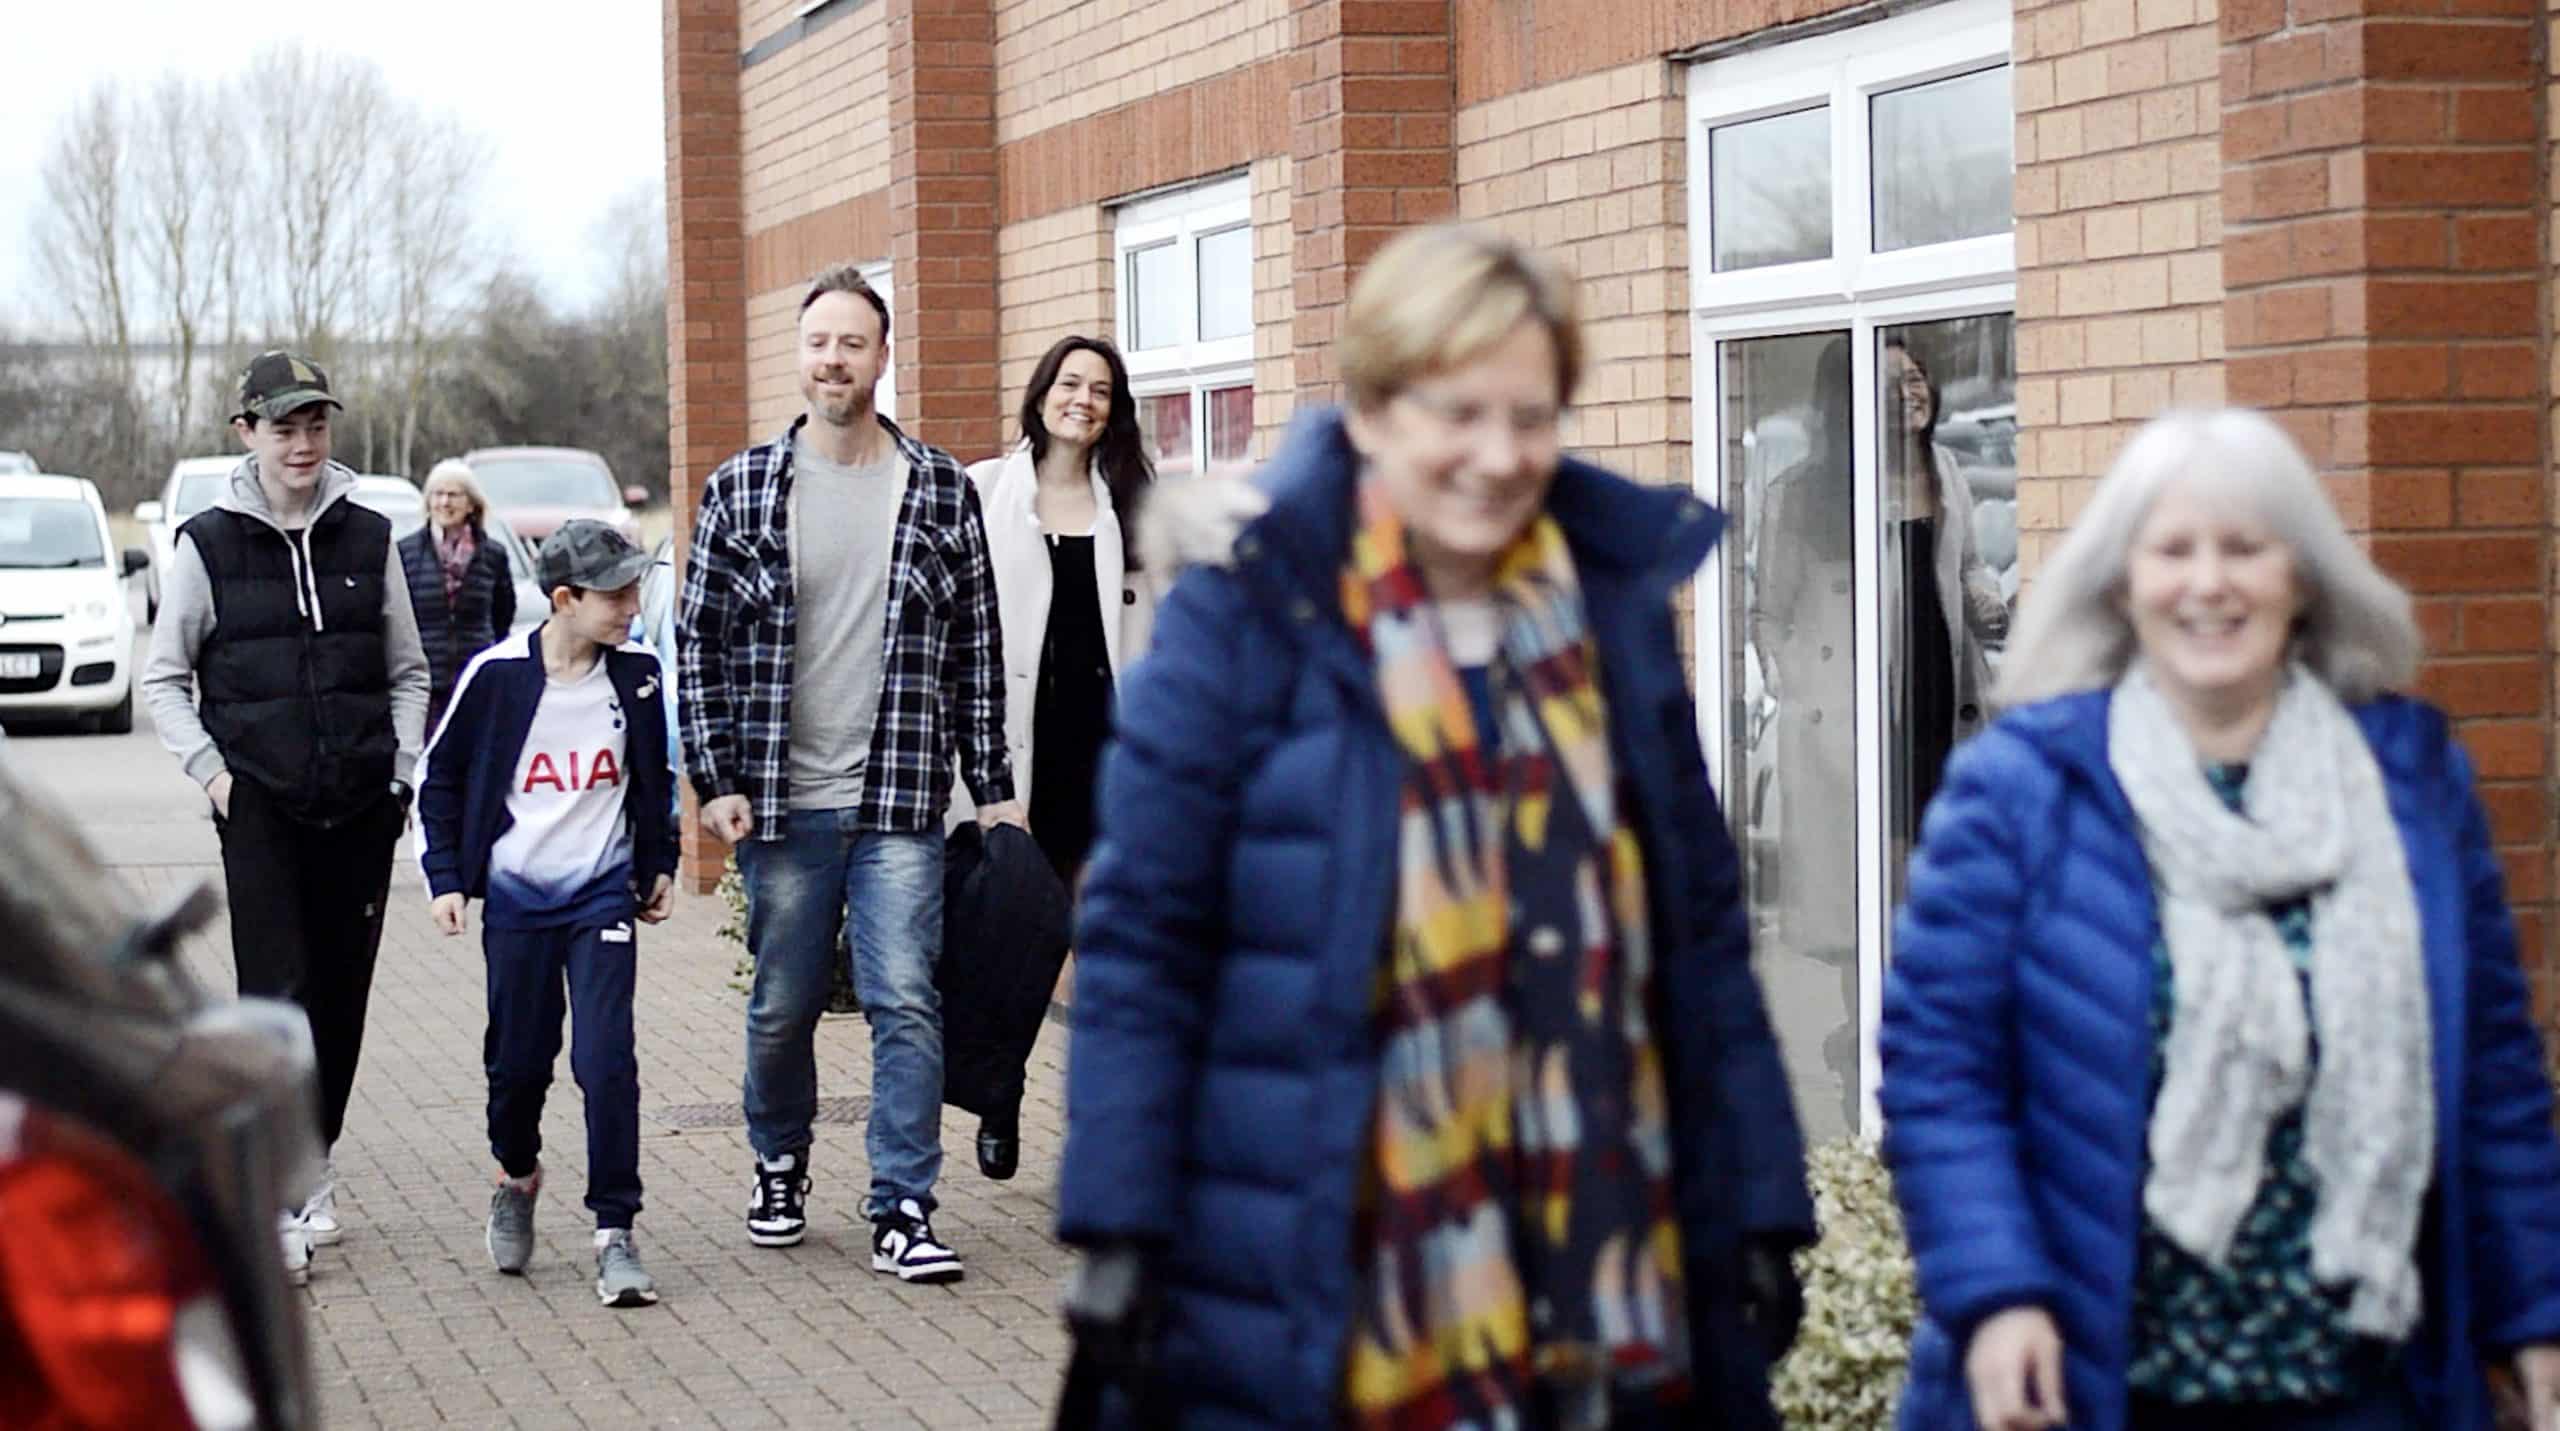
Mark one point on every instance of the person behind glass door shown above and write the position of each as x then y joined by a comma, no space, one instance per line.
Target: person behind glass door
1073,605
1801,612
2211,1095
1949,601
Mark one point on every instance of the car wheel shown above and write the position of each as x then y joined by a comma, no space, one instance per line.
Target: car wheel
118,719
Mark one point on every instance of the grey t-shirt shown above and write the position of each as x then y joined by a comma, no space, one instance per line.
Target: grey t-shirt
843,520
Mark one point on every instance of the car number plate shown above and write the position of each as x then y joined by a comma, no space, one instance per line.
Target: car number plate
20,665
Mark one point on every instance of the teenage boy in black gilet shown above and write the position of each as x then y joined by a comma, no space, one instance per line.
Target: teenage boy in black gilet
285,674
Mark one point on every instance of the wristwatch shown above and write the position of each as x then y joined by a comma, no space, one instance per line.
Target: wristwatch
401,792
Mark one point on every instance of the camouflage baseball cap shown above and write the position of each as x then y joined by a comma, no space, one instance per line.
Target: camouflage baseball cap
277,383
590,554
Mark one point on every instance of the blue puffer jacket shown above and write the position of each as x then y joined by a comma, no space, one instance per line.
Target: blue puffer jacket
1223,1069
2017,1062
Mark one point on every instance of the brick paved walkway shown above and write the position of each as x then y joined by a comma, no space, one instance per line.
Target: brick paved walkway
411,1328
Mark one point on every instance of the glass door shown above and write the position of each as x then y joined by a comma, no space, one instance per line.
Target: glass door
1791,594
1870,473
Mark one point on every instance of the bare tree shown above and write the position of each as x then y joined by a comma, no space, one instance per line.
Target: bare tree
184,220
313,235
423,215
83,238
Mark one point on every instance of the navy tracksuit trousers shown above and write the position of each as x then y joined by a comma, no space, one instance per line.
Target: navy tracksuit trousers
528,969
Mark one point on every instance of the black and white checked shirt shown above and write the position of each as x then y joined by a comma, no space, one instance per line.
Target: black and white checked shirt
942,682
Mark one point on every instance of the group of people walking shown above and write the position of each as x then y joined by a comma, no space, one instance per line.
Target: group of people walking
1418,1074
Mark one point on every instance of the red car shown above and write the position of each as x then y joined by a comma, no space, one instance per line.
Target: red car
538,488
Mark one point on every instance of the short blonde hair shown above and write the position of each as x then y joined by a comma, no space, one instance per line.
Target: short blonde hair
457,471
2357,632
1438,296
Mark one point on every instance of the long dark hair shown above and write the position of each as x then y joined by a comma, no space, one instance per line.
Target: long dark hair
1121,454
1928,443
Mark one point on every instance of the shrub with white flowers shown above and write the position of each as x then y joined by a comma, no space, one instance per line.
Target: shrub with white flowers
1845,1371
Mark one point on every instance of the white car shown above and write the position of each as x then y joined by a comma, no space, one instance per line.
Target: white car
194,484
395,497
66,626
15,462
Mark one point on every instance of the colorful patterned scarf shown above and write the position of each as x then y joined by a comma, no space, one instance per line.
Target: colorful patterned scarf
1522,1255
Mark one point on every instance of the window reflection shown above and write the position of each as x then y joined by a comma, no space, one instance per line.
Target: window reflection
1942,160
1230,423
1226,284
1156,297
1788,479
1769,183
1164,420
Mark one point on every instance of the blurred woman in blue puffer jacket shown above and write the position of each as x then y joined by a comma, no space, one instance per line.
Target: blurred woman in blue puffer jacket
1417,1058
2211,1095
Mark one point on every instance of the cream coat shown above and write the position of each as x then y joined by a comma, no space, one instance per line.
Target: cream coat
1007,489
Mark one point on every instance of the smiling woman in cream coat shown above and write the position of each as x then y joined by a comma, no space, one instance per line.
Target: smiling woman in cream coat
1073,608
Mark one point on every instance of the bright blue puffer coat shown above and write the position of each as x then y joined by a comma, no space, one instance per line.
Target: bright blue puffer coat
2017,1055
1223,1068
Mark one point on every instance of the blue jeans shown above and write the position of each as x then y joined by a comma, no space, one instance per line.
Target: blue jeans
799,889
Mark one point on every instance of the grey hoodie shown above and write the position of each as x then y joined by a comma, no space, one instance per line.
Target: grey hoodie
186,619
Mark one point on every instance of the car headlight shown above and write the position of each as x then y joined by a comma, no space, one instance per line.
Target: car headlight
94,611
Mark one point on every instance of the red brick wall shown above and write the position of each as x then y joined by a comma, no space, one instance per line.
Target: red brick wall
2383,255
1371,101
706,287
942,205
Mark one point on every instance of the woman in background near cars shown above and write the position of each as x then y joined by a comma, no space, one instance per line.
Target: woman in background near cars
459,584
2210,1092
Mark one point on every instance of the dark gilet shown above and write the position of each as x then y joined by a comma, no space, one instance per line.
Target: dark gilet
302,708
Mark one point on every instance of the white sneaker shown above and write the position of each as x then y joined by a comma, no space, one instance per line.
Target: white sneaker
296,1241
320,1214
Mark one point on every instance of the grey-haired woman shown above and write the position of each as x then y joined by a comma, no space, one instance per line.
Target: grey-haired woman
2210,1092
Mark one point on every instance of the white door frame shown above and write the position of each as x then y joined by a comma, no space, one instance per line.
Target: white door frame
1856,291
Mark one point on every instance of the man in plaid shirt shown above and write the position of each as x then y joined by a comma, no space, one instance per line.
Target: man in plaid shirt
837,642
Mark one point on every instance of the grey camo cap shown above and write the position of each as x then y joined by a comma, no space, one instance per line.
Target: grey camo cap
590,554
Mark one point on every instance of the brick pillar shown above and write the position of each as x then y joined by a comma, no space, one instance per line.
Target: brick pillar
942,204
2382,255
1371,94
706,291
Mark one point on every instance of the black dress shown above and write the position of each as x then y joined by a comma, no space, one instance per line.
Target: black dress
1928,672
1071,715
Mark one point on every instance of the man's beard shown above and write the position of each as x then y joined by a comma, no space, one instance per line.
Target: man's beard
839,412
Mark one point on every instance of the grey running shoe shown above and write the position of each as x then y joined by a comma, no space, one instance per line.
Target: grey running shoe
620,1279
511,1225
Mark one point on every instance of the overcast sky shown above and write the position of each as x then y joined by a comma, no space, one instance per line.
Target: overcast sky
567,91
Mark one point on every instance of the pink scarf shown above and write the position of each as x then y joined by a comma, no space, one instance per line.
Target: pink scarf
454,551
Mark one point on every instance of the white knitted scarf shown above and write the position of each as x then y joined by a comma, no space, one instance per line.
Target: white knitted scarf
2240,1051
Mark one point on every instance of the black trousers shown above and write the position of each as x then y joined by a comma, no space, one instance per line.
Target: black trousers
306,922
527,969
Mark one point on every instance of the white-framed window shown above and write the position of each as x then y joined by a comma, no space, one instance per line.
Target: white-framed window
1183,280
1853,280
884,398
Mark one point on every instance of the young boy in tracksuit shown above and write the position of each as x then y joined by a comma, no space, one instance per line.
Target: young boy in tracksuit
547,796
